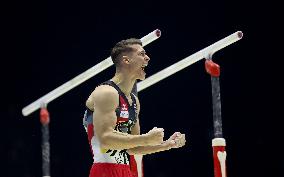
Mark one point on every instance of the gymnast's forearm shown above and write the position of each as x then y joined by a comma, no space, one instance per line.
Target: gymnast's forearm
119,140
143,150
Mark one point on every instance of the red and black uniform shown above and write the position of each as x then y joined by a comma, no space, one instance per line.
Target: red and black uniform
111,162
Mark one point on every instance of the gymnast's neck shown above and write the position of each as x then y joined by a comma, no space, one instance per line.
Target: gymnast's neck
124,82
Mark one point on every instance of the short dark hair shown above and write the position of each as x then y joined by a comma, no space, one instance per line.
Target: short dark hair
123,47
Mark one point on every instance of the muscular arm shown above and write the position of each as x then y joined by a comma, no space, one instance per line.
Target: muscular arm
143,150
175,141
105,101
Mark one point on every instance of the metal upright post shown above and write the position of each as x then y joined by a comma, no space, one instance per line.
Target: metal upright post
45,146
218,143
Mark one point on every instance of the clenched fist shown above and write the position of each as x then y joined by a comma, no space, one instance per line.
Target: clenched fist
177,140
155,136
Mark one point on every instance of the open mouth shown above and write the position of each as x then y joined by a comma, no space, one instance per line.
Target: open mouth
143,67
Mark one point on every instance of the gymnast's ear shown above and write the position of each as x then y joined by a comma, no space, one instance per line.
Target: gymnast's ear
126,59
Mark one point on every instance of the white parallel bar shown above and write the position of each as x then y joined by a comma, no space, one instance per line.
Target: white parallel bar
82,77
204,53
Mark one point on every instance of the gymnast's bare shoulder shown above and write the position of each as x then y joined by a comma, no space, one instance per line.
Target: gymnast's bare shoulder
102,92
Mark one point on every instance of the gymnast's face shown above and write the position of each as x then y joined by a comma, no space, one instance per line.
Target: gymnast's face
138,61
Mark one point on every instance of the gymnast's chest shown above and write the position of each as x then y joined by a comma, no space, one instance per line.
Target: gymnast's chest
126,116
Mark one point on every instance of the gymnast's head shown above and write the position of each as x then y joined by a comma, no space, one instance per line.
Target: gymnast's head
130,58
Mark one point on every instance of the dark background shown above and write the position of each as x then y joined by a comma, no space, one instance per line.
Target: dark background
47,43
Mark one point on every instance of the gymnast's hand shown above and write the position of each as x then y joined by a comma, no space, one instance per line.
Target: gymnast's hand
177,140
155,136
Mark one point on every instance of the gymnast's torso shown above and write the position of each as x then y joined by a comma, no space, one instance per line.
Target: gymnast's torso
126,118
